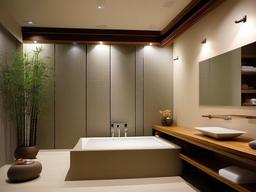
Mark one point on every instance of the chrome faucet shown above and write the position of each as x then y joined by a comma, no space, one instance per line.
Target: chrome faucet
125,130
118,126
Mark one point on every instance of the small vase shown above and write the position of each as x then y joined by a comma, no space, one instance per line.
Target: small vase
26,152
166,121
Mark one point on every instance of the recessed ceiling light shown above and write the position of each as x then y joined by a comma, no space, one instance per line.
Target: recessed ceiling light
35,41
29,22
101,4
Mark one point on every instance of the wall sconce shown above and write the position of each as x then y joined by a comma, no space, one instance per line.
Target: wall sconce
244,19
204,41
176,58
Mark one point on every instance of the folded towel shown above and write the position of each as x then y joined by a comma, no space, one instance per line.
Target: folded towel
238,175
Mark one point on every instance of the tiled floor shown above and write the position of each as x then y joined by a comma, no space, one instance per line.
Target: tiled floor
55,166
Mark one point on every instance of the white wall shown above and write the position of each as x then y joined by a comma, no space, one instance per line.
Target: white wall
222,35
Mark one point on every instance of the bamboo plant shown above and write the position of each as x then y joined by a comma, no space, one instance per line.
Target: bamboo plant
22,86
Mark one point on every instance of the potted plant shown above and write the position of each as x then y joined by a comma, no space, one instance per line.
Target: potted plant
22,85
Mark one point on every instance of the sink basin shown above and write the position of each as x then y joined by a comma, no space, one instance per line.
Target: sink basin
220,132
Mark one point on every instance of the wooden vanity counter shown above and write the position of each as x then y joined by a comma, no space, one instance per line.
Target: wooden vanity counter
236,150
237,147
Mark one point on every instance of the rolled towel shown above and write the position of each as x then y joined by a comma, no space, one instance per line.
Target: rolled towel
238,175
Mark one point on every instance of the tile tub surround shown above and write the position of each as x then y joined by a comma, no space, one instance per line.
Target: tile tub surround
119,158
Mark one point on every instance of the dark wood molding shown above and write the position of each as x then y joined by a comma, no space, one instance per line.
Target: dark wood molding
63,35
192,13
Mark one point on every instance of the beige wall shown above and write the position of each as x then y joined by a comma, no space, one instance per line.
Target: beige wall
222,35
95,85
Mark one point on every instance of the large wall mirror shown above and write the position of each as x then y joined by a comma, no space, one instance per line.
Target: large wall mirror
229,79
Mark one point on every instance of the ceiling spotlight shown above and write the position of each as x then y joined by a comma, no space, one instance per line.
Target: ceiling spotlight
35,42
29,22
101,42
244,19
150,44
100,4
204,41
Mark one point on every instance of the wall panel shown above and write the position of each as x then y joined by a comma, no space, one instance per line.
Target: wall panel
8,44
157,84
45,130
70,94
98,90
139,90
123,85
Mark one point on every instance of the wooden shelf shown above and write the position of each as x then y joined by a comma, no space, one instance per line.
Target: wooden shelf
212,170
237,150
248,72
248,91
248,104
248,56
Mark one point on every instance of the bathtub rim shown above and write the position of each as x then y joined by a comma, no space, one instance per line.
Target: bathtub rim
167,144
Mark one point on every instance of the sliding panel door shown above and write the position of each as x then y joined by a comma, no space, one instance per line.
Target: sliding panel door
123,85
98,90
157,84
70,94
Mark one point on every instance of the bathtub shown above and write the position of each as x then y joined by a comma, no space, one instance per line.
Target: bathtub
123,157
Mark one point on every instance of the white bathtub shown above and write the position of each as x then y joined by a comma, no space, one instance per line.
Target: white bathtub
123,157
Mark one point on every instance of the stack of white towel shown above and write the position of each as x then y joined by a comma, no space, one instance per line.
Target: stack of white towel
238,175
248,68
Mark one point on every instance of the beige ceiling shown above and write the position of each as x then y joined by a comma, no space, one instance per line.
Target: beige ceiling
116,14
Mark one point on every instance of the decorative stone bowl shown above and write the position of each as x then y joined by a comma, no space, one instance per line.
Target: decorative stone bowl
24,170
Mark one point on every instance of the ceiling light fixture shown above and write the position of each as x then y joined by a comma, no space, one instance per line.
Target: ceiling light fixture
244,19
100,4
29,22
150,44
101,42
35,42
204,41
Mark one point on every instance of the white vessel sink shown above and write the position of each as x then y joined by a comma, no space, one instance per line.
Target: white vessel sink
220,132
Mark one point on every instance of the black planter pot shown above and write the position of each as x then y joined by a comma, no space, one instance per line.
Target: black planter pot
166,121
26,152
